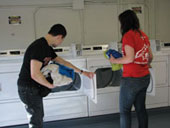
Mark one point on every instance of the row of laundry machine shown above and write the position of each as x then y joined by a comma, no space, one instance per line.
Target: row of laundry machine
96,96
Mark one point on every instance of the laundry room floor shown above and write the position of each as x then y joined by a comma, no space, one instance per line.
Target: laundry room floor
158,118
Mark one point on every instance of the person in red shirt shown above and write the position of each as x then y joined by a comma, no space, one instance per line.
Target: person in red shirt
137,56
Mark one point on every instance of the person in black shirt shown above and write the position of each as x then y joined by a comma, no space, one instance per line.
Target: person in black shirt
31,80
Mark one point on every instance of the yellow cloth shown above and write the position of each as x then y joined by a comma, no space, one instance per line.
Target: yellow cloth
115,67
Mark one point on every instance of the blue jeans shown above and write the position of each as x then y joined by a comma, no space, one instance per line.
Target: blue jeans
133,92
33,103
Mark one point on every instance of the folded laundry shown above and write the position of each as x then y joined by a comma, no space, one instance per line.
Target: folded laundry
116,54
59,79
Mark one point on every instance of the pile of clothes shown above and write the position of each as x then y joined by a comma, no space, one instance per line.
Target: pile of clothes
59,74
62,77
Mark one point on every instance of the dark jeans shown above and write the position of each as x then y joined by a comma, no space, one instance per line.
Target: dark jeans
133,92
33,103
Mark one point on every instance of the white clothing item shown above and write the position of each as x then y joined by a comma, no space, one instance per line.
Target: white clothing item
58,79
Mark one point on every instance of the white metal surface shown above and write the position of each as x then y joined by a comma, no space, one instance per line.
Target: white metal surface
9,71
65,107
151,87
159,100
12,113
90,89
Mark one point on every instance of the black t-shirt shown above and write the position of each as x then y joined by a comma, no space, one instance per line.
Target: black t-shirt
38,50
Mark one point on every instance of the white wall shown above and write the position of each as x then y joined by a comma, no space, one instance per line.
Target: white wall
100,24
96,23
46,17
163,20
16,36
33,2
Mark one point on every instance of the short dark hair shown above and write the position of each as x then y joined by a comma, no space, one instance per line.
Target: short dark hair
58,29
129,20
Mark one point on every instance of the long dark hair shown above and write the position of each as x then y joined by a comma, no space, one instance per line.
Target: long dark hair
129,20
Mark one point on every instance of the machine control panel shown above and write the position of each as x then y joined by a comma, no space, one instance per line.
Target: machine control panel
166,44
165,47
12,52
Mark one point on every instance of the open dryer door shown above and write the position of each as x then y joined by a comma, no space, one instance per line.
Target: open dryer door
89,88
151,87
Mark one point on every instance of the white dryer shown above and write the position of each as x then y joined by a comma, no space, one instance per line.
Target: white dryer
107,82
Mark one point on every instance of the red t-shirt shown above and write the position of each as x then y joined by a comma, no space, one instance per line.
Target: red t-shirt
141,44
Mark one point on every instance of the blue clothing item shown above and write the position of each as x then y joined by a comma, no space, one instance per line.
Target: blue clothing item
114,53
63,70
133,92
115,67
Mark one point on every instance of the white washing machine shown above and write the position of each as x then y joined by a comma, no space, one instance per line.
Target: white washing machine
107,81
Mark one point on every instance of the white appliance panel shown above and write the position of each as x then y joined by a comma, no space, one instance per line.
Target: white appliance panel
66,107
107,103
8,86
90,89
12,113
160,99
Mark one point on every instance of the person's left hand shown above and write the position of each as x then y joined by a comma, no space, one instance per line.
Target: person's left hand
112,59
88,74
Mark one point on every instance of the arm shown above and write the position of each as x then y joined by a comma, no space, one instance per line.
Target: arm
128,58
37,75
68,64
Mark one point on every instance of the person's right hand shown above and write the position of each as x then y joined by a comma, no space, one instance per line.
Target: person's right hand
51,86
88,74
